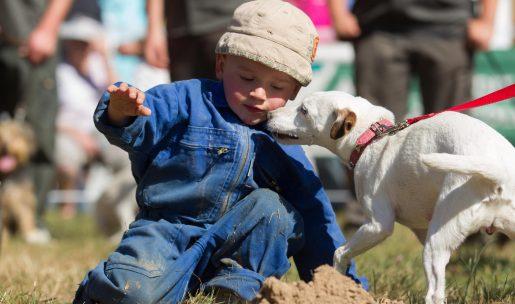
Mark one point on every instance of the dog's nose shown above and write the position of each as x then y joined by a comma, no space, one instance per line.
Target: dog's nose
269,115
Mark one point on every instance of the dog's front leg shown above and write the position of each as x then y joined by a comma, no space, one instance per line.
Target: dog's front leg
379,227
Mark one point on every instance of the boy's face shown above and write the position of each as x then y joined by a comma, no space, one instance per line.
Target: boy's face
253,89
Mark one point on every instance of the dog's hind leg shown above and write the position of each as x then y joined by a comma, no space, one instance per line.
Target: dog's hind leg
437,252
430,275
445,234
379,227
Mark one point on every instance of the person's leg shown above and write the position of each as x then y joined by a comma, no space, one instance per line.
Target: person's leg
204,65
445,70
382,71
260,233
152,264
193,56
40,104
158,261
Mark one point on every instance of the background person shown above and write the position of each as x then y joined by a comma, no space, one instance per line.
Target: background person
28,42
84,68
433,40
193,28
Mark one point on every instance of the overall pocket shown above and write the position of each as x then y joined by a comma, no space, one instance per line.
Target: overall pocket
191,173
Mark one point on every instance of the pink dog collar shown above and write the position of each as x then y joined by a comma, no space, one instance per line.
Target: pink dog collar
376,131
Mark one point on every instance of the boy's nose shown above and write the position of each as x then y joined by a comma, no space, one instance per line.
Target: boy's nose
258,93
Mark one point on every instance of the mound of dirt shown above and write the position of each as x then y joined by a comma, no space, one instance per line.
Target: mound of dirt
328,287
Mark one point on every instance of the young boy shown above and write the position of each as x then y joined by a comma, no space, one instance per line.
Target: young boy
222,205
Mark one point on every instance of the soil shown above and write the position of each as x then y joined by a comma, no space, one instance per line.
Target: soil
328,287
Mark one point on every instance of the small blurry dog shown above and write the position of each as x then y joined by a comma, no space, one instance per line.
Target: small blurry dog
17,199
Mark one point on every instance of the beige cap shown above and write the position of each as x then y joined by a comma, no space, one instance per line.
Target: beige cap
274,33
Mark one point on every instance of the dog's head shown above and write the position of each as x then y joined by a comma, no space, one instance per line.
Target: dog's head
17,144
333,120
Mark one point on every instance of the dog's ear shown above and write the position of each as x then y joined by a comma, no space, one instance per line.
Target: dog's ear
343,124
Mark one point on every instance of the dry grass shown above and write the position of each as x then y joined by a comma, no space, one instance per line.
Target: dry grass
50,274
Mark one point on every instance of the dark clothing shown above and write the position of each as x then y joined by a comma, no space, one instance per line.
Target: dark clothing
441,17
198,17
385,63
19,18
193,56
405,38
29,87
194,27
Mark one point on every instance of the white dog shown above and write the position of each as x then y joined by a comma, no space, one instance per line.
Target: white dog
445,177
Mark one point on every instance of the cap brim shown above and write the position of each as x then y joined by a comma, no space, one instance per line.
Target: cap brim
267,52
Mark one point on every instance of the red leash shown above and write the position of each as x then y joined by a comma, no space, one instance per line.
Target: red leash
494,97
384,127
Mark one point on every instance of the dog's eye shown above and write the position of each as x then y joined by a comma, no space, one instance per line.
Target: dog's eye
303,110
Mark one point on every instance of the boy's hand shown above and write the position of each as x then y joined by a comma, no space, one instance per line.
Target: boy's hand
124,103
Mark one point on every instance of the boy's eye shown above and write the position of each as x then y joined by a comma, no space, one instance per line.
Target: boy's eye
246,78
276,87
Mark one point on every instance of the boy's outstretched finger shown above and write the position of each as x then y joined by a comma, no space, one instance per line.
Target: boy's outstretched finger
133,92
123,87
142,110
112,88
140,98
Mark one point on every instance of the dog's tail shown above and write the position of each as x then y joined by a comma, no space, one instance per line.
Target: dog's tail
465,164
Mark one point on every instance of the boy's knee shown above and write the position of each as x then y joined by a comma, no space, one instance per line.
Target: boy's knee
138,291
137,287
135,294
118,283
275,211
267,202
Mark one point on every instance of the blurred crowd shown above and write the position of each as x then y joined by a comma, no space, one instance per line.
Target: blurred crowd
58,56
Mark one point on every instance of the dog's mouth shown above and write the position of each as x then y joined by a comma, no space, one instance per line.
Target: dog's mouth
280,135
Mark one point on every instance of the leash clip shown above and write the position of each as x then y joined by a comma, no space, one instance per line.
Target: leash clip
397,127
379,129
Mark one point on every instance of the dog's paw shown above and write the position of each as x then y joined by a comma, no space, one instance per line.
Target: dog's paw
339,261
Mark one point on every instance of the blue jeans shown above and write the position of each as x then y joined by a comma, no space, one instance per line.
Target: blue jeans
160,262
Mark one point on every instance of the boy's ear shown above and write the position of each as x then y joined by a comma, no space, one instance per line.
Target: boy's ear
219,66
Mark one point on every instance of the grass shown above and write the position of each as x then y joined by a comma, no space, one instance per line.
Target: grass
475,273
51,273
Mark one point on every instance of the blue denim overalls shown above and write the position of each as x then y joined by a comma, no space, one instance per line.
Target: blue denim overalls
221,203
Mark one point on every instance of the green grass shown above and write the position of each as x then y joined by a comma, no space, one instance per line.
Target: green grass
51,273
475,273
